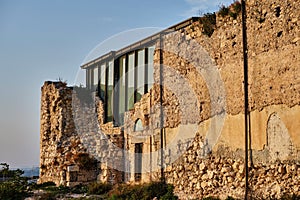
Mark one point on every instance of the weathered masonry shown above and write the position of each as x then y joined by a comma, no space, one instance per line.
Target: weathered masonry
175,100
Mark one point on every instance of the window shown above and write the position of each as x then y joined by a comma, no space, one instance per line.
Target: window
130,87
121,86
150,78
102,89
140,90
110,88
138,126
89,78
95,77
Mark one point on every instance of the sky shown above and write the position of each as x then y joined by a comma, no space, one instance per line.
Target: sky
44,40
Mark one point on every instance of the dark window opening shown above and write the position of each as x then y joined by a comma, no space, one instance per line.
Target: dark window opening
277,11
138,150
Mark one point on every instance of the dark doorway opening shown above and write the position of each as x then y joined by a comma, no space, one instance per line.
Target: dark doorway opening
138,150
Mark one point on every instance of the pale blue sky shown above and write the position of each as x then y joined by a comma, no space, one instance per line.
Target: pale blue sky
49,39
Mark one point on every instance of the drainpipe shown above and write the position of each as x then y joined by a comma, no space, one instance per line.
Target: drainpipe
161,107
246,111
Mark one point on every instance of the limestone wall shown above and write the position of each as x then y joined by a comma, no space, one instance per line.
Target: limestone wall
202,108
59,143
274,99
273,69
73,149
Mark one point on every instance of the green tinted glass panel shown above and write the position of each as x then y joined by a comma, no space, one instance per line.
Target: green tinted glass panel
150,67
102,81
140,74
110,85
121,85
95,81
130,88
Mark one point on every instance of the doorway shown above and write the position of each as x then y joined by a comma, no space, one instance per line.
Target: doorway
138,150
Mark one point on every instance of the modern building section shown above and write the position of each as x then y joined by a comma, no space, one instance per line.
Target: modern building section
122,77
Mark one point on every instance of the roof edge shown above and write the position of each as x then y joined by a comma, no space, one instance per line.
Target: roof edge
142,42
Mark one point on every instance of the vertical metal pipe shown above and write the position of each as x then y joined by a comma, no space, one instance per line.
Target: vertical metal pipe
245,55
161,108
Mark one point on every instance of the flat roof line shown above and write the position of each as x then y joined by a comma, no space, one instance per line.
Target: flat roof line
140,43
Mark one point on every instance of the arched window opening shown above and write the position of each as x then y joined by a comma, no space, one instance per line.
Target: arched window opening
138,126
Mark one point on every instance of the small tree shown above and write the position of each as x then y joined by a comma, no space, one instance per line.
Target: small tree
15,187
5,170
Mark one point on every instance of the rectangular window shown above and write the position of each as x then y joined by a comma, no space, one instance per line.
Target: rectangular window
140,74
89,78
102,82
110,87
150,67
130,87
95,81
121,86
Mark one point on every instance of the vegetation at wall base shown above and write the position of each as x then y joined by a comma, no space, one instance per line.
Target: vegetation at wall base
99,188
146,191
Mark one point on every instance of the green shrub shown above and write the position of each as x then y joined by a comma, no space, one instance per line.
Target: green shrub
223,11
79,189
143,192
209,22
43,185
15,187
233,10
12,190
98,188
236,8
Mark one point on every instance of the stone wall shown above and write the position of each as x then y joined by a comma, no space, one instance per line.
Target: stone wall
195,177
274,99
73,149
202,107
59,143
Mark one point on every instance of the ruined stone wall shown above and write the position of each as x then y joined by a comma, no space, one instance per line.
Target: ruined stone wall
73,149
274,99
59,143
195,98
195,177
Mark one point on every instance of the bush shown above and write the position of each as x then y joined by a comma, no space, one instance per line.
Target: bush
99,188
15,187
223,11
79,189
209,22
233,10
12,190
142,192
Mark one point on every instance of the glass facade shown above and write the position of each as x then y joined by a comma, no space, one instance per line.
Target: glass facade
121,81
